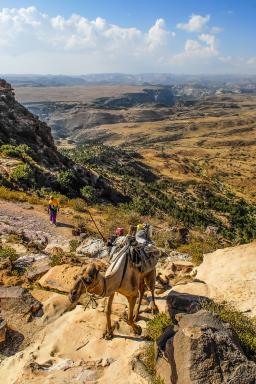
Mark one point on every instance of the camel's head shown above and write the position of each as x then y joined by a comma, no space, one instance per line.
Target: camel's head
86,279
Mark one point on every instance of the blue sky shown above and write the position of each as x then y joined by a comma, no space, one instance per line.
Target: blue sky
190,36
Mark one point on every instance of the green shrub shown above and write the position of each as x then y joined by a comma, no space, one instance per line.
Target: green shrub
18,151
88,193
66,180
244,326
8,252
156,326
74,244
23,174
56,260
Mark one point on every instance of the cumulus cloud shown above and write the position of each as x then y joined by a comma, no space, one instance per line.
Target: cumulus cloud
75,33
34,42
195,23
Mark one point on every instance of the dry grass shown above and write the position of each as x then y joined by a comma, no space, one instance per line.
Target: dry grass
72,93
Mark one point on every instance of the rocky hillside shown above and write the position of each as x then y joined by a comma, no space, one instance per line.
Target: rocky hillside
29,159
19,126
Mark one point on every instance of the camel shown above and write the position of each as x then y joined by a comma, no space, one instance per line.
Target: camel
131,283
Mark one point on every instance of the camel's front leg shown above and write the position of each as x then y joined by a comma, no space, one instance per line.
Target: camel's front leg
136,328
108,334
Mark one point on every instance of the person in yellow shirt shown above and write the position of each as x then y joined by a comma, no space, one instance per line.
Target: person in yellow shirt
53,208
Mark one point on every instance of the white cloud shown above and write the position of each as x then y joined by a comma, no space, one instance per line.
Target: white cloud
209,40
33,42
195,23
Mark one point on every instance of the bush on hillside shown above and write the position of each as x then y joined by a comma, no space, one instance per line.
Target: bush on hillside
18,151
66,181
197,248
89,194
22,174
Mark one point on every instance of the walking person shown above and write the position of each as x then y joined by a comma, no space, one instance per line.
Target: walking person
53,208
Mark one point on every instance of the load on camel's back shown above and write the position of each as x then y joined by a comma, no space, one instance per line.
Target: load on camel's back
131,272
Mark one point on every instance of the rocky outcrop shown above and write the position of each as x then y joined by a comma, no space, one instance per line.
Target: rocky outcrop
60,277
19,126
18,300
93,248
206,350
229,274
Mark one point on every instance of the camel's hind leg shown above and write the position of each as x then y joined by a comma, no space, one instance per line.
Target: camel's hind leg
141,294
150,280
136,328
108,334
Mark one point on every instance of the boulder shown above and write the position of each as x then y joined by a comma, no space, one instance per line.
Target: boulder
36,239
178,302
38,269
94,248
58,243
230,275
18,300
178,235
23,262
206,350
60,277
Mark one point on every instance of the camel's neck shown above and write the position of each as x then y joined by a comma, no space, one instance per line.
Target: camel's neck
105,285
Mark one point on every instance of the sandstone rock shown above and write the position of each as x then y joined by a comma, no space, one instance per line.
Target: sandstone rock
230,276
206,350
63,244
38,268
60,277
56,306
92,248
183,266
18,300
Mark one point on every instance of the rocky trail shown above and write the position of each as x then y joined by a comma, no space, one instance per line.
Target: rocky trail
46,339
35,218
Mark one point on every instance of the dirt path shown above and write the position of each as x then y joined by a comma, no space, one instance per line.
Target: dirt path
36,218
